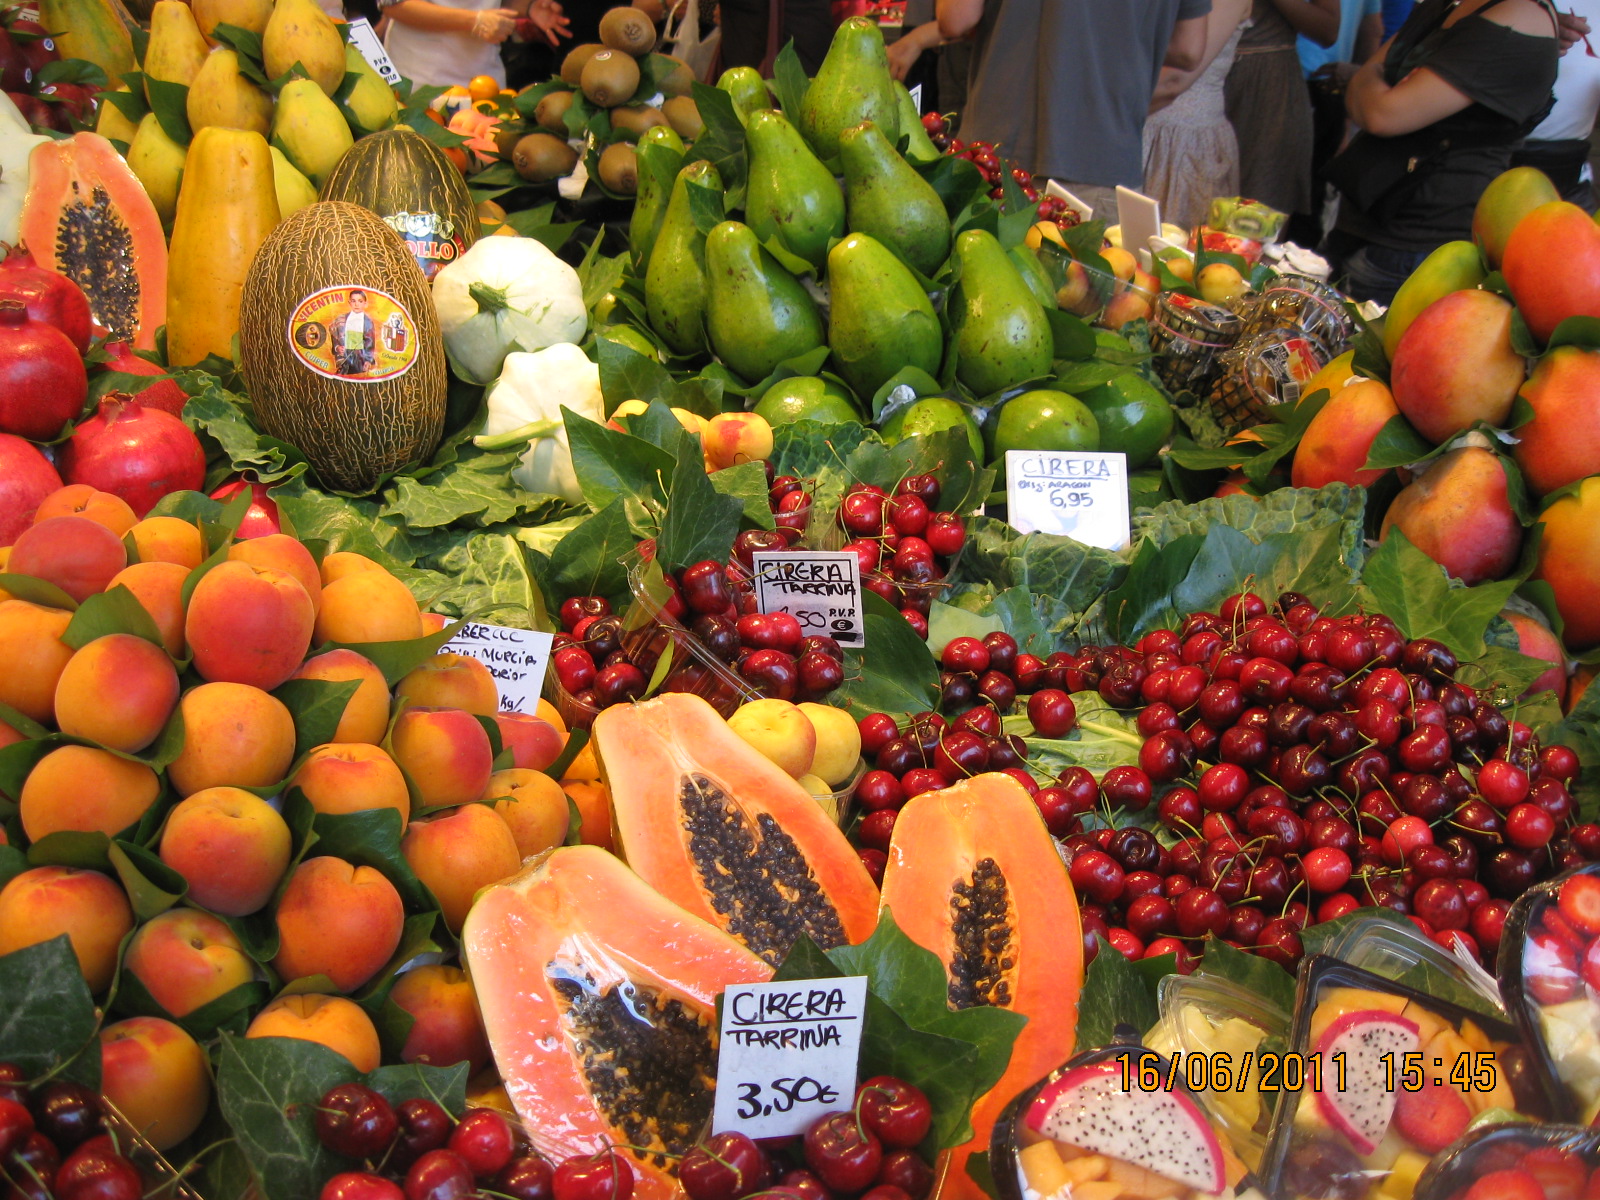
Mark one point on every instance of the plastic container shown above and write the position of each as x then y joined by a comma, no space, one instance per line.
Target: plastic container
1401,954
837,804
1566,1153
1188,338
1308,306
1263,373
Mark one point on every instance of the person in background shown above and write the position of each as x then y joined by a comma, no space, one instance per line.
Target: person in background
1063,87
1395,13
1328,71
453,41
1560,145
749,41
944,79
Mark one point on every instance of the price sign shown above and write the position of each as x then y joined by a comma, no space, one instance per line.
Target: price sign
788,1054
365,39
820,588
517,659
1084,496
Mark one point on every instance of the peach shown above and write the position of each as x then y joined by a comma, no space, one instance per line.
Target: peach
1459,515
1335,445
1084,292
45,902
81,500
546,711
1124,307
367,606
445,754
451,681
779,731
157,1076
446,1027
169,540
235,735
433,623
158,587
366,714
230,845
456,854
346,777
584,767
283,553
117,690
734,438
534,742
86,790
1569,561
186,959
248,624
332,1021
34,656
1536,640
1220,283
339,920
1455,365
76,554
593,799
838,743
1551,263
9,736
340,563
534,808
1122,262
1561,445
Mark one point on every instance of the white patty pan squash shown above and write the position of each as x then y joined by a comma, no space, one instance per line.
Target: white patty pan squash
505,295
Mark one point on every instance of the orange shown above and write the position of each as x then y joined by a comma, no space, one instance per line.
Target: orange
483,88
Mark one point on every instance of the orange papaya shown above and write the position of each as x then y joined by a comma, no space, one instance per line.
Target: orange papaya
974,876
716,827
599,998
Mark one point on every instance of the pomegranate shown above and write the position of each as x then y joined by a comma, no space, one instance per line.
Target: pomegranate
26,477
262,516
140,454
38,47
165,394
49,296
42,381
16,73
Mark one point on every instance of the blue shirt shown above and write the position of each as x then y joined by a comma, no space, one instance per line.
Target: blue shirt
1351,14
1395,13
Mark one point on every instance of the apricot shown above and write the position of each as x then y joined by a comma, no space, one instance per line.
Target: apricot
169,540
534,742
86,790
345,562
456,854
584,765
338,920
186,958
367,606
346,777
332,1021
433,623
45,902
445,754
446,1027
734,438
593,799
1569,561
81,500
157,1076
158,587
546,711
533,807
248,624
117,690
779,732
283,553
1131,305
366,714
838,743
9,736
451,681
76,554
235,735
230,845
34,656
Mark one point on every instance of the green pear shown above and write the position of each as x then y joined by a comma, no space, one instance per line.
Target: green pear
675,281
294,189
298,31
853,85
880,318
157,161
919,146
886,199
789,191
757,315
1002,335
371,105
309,129
748,89
221,95
660,153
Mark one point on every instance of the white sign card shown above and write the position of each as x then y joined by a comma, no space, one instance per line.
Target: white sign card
820,588
787,1054
1140,218
517,659
365,39
916,97
1083,496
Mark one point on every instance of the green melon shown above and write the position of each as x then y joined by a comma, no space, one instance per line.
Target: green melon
340,346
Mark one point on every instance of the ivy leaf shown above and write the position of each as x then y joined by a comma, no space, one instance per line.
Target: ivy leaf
587,561
1115,992
316,706
1259,976
748,483
48,1016
1415,591
1398,444
1143,600
894,672
612,465
104,613
722,141
700,522
267,1089
625,374
789,82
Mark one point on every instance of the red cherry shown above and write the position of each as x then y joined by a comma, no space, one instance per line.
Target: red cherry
360,1185
897,1113
484,1141
724,1167
845,1155
603,1176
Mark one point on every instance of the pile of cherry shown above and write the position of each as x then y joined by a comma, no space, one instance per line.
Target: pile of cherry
1300,767
986,157
53,1143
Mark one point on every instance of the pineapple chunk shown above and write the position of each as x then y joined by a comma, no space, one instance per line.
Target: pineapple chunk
1088,1169
1402,1178
1042,1168
1440,1056
1474,1037
1140,1184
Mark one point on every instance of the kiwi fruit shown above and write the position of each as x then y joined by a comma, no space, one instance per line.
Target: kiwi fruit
619,168
677,82
577,58
539,158
506,138
636,118
610,77
551,112
684,117
628,30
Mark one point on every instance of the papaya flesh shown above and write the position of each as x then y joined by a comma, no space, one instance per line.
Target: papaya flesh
718,828
974,876
599,998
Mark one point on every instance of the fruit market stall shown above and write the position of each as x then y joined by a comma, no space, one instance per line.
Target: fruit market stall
496,584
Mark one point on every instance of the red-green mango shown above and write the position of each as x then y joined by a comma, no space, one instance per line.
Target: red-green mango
1552,265
1335,445
1569,561
1561,445
1459,514
1453,267
1455,365
1511,196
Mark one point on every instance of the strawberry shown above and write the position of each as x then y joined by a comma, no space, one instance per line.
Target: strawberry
1579,902
1432,1118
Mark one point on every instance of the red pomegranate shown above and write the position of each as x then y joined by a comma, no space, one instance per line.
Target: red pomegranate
262,516
42,381
26,477
138,453
164,394
49,296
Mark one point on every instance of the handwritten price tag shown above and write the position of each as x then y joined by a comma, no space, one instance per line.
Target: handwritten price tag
788,1054
1083,496
517,659
365,39
820,588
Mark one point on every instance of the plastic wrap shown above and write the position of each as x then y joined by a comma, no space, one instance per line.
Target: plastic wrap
1563,1159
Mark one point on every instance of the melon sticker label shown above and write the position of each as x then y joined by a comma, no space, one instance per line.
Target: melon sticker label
430,236
353,333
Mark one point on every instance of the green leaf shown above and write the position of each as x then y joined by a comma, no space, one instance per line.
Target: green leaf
1398,444
170,102
1404,583
1115,992
475,489
625,374
267,1089
587,561
789,82
104,613
612,465
36,591
700,522
1259,976
1580,729
1103,738
722,141
489,577
231,1011
371,838
705,207
397,659
1583,332
152,886
1044,563
747,482
1229,561
1073,337
446,1086
89,851
316,706
893,673
805,448
48,1016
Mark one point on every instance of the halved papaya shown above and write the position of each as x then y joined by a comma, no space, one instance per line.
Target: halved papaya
599,998
87,216
718,828
974,876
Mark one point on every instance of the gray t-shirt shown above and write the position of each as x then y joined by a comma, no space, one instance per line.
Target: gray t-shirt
1063,86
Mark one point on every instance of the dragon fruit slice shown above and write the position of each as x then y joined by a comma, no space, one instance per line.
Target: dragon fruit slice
1164,1132
1363,1110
